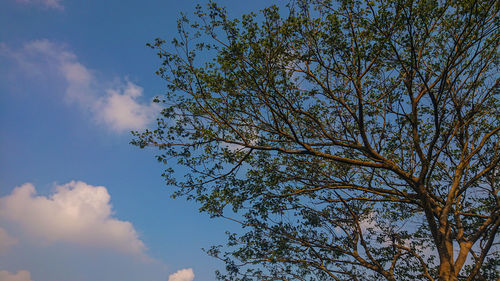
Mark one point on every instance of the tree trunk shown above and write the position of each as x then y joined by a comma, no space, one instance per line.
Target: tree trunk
446,272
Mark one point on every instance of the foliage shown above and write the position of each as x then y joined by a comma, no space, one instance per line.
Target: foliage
351,140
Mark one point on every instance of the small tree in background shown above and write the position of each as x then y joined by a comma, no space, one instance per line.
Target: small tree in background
352,140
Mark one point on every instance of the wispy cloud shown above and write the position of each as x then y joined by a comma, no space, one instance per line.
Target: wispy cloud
76,213
182,275
118,107
52,4
21,275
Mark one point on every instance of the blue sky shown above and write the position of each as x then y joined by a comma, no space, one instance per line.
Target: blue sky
77,202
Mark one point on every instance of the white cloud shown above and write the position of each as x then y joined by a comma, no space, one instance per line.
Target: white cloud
21,275
182,275
54,4
117,107
6,241
121,111
76,213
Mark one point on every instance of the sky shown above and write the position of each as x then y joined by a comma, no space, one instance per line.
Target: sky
77,201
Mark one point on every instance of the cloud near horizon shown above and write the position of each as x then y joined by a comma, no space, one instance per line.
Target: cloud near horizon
116,105
6,241
76,213
21,275
182,275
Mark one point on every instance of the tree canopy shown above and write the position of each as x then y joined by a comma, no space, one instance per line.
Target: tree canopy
352,140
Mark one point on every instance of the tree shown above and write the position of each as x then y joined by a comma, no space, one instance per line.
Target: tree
351,140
